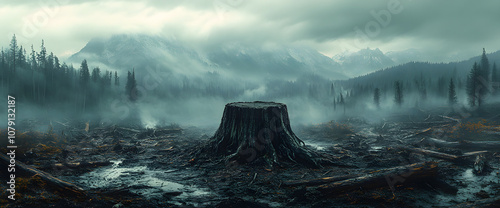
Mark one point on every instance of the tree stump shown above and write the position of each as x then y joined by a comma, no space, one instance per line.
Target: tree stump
259,131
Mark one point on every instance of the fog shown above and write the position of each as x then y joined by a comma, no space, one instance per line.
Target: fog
177,84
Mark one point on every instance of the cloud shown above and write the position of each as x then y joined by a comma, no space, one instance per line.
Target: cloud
329,26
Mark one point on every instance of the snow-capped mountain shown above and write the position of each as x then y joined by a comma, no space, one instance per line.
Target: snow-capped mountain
124,52
363,61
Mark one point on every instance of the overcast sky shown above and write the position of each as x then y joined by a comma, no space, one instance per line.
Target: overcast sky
436,26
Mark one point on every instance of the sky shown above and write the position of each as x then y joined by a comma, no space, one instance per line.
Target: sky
437,27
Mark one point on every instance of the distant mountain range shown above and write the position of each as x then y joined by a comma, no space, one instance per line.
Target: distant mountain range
127,52
368,60
124,52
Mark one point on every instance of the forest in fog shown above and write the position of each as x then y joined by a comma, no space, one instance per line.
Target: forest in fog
51,89
262,104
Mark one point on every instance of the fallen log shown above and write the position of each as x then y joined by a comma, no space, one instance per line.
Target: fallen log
431,153
468,154
63,187
380,178
464,145
450,118
490,202
319,181
129,129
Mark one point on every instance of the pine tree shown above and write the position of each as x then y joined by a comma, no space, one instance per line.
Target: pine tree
473,94
34,66
84,80
42,57
14,50
485,66
376,97
452,95
484,79
398,93
128,84
117,79
21,57
57,65
96,75
33,60
131,86
84,73
342,101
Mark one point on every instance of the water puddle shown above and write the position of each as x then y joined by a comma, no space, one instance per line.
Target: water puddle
317,145
141,180
376,148
473,187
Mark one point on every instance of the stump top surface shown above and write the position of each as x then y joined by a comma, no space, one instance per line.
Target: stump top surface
255,104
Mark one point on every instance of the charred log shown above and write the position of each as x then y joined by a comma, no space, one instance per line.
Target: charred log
385,177
319,181
51,182
440,155
464,145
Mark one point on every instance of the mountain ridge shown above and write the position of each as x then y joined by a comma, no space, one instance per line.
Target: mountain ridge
129,51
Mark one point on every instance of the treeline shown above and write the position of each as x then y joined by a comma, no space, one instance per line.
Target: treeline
482,81
442,82
39,78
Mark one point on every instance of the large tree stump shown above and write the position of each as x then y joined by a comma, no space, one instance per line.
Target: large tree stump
253,132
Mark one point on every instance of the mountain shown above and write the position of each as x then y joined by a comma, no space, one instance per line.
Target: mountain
369,60
124,52
414,70
363,61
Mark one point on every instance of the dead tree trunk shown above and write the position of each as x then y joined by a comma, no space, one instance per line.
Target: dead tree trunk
254,132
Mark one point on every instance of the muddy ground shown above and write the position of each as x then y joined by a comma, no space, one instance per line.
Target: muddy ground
130,166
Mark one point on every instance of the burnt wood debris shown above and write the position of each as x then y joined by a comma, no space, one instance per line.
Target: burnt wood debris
254,159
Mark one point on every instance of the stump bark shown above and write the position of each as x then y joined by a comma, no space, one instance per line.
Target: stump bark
253,132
